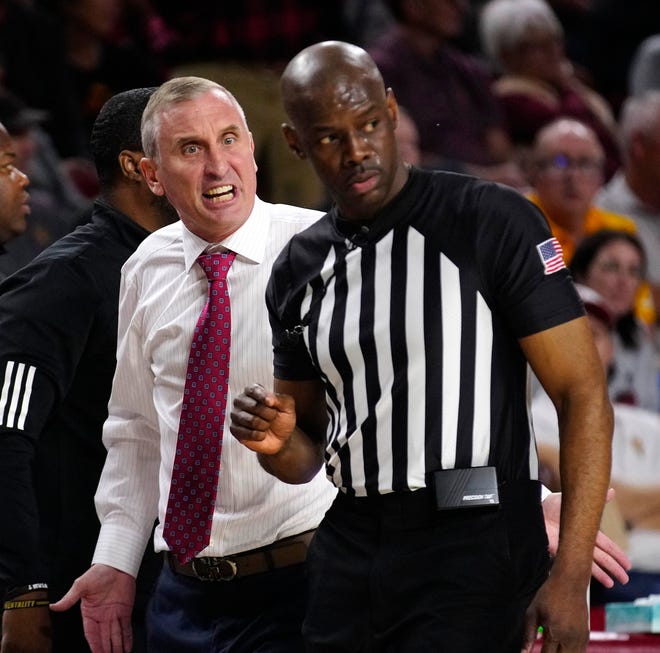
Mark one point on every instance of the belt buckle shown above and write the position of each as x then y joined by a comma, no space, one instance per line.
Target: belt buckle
214,569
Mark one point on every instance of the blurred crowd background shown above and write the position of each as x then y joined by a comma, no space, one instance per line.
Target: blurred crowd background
60,60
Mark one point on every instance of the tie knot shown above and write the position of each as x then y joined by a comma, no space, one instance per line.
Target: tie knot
216,266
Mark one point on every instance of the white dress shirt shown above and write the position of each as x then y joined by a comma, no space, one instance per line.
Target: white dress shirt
163,291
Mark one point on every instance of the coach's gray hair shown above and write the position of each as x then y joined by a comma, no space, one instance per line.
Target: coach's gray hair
174,91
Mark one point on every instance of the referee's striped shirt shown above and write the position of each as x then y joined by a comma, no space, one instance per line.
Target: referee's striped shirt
412,324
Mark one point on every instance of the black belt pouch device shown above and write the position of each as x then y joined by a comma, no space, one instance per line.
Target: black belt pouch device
475,487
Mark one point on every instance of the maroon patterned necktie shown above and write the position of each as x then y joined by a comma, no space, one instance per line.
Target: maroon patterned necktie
189,514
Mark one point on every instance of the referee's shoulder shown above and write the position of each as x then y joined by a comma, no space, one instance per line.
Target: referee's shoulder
468,185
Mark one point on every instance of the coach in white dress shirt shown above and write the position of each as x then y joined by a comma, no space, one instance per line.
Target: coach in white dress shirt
201,156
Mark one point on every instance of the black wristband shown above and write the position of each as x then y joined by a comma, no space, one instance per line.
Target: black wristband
13,592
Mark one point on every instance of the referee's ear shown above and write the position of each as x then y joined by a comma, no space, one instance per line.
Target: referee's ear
291,137
129,163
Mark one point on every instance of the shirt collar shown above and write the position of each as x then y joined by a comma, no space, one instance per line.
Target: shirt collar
248,241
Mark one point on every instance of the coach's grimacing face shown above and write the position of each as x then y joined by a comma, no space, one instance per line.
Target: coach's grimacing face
205,164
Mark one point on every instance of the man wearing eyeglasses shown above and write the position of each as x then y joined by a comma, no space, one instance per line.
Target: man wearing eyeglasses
566,172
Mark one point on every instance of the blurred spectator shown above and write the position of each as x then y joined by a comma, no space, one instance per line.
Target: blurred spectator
613,263
245,46
635,511
446,91
537,83
33,66
14,206
101,59
635,189
565,173
56,204
644,71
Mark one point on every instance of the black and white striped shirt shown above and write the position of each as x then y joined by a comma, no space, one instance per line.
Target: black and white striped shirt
412,324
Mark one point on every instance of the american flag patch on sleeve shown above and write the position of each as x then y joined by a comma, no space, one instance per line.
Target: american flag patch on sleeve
551,255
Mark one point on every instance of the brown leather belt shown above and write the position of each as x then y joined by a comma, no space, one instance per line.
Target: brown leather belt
282,553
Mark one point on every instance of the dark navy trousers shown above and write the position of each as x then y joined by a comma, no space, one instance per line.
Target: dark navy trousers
255,614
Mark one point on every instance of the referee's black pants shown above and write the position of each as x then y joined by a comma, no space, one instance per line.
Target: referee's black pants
393,575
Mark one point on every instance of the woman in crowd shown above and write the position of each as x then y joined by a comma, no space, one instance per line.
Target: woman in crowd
613,263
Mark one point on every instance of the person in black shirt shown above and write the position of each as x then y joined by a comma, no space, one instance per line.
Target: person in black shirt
403,324
58,336
14,198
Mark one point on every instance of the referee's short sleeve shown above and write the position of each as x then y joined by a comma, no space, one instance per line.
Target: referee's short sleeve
291,359
533,295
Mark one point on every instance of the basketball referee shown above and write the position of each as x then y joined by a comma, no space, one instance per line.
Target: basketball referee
404,322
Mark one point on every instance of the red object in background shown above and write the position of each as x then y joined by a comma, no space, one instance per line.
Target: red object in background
597,618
